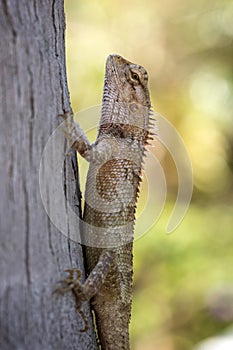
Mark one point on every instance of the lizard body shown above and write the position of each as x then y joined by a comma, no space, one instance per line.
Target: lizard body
110,198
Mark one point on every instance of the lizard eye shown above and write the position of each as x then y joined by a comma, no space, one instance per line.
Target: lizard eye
135,76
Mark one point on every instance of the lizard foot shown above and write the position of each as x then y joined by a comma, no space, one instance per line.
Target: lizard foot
72,283
66,115
73,132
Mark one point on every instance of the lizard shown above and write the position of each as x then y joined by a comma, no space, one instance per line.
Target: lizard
112,189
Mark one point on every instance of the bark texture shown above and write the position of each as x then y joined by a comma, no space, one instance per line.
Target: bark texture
33,253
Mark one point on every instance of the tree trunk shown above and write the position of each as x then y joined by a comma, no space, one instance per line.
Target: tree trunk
33,253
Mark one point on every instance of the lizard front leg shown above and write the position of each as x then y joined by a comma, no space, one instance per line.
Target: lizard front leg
97,153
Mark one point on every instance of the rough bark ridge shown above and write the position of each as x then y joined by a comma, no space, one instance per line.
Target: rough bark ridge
33,254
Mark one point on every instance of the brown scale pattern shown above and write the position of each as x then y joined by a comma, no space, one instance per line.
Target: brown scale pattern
127,137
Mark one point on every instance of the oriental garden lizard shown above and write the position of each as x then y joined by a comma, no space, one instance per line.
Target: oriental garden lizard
112,189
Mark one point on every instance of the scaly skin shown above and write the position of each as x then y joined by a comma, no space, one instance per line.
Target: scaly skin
110,199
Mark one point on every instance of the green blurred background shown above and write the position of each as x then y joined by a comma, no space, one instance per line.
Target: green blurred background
183,285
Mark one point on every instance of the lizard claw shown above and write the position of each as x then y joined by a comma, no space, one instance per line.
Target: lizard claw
86,323
66,115
69,153
72,274
71,283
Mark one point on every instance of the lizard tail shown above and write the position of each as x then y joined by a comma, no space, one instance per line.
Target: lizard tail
112,321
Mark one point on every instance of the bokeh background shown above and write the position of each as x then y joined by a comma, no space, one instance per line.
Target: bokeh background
183,285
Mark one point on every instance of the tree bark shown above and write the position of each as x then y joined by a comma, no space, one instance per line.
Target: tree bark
33,253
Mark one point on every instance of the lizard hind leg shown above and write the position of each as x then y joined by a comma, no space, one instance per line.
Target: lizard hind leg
85,291
72,283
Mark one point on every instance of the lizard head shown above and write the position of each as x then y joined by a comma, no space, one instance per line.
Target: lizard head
129,79
126,108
